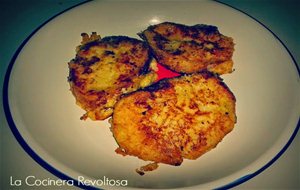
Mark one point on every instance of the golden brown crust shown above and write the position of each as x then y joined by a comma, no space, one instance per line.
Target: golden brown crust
190,49
104,69
176,118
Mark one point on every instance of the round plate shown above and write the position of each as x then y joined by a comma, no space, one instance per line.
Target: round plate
45,120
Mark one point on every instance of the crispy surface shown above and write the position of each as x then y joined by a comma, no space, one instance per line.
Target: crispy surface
104,69
190,49
177,118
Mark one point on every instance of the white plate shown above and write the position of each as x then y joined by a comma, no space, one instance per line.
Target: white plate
45,120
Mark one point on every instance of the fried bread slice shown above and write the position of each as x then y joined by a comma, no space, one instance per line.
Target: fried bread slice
177,118
190,49
104,69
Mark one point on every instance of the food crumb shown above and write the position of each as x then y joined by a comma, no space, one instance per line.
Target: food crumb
84,116
147,168
120,151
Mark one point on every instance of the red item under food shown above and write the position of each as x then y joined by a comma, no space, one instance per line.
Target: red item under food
163,72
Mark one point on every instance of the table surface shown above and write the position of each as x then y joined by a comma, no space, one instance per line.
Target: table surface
19,18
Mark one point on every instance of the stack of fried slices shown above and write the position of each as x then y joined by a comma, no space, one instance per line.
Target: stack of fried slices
161,121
